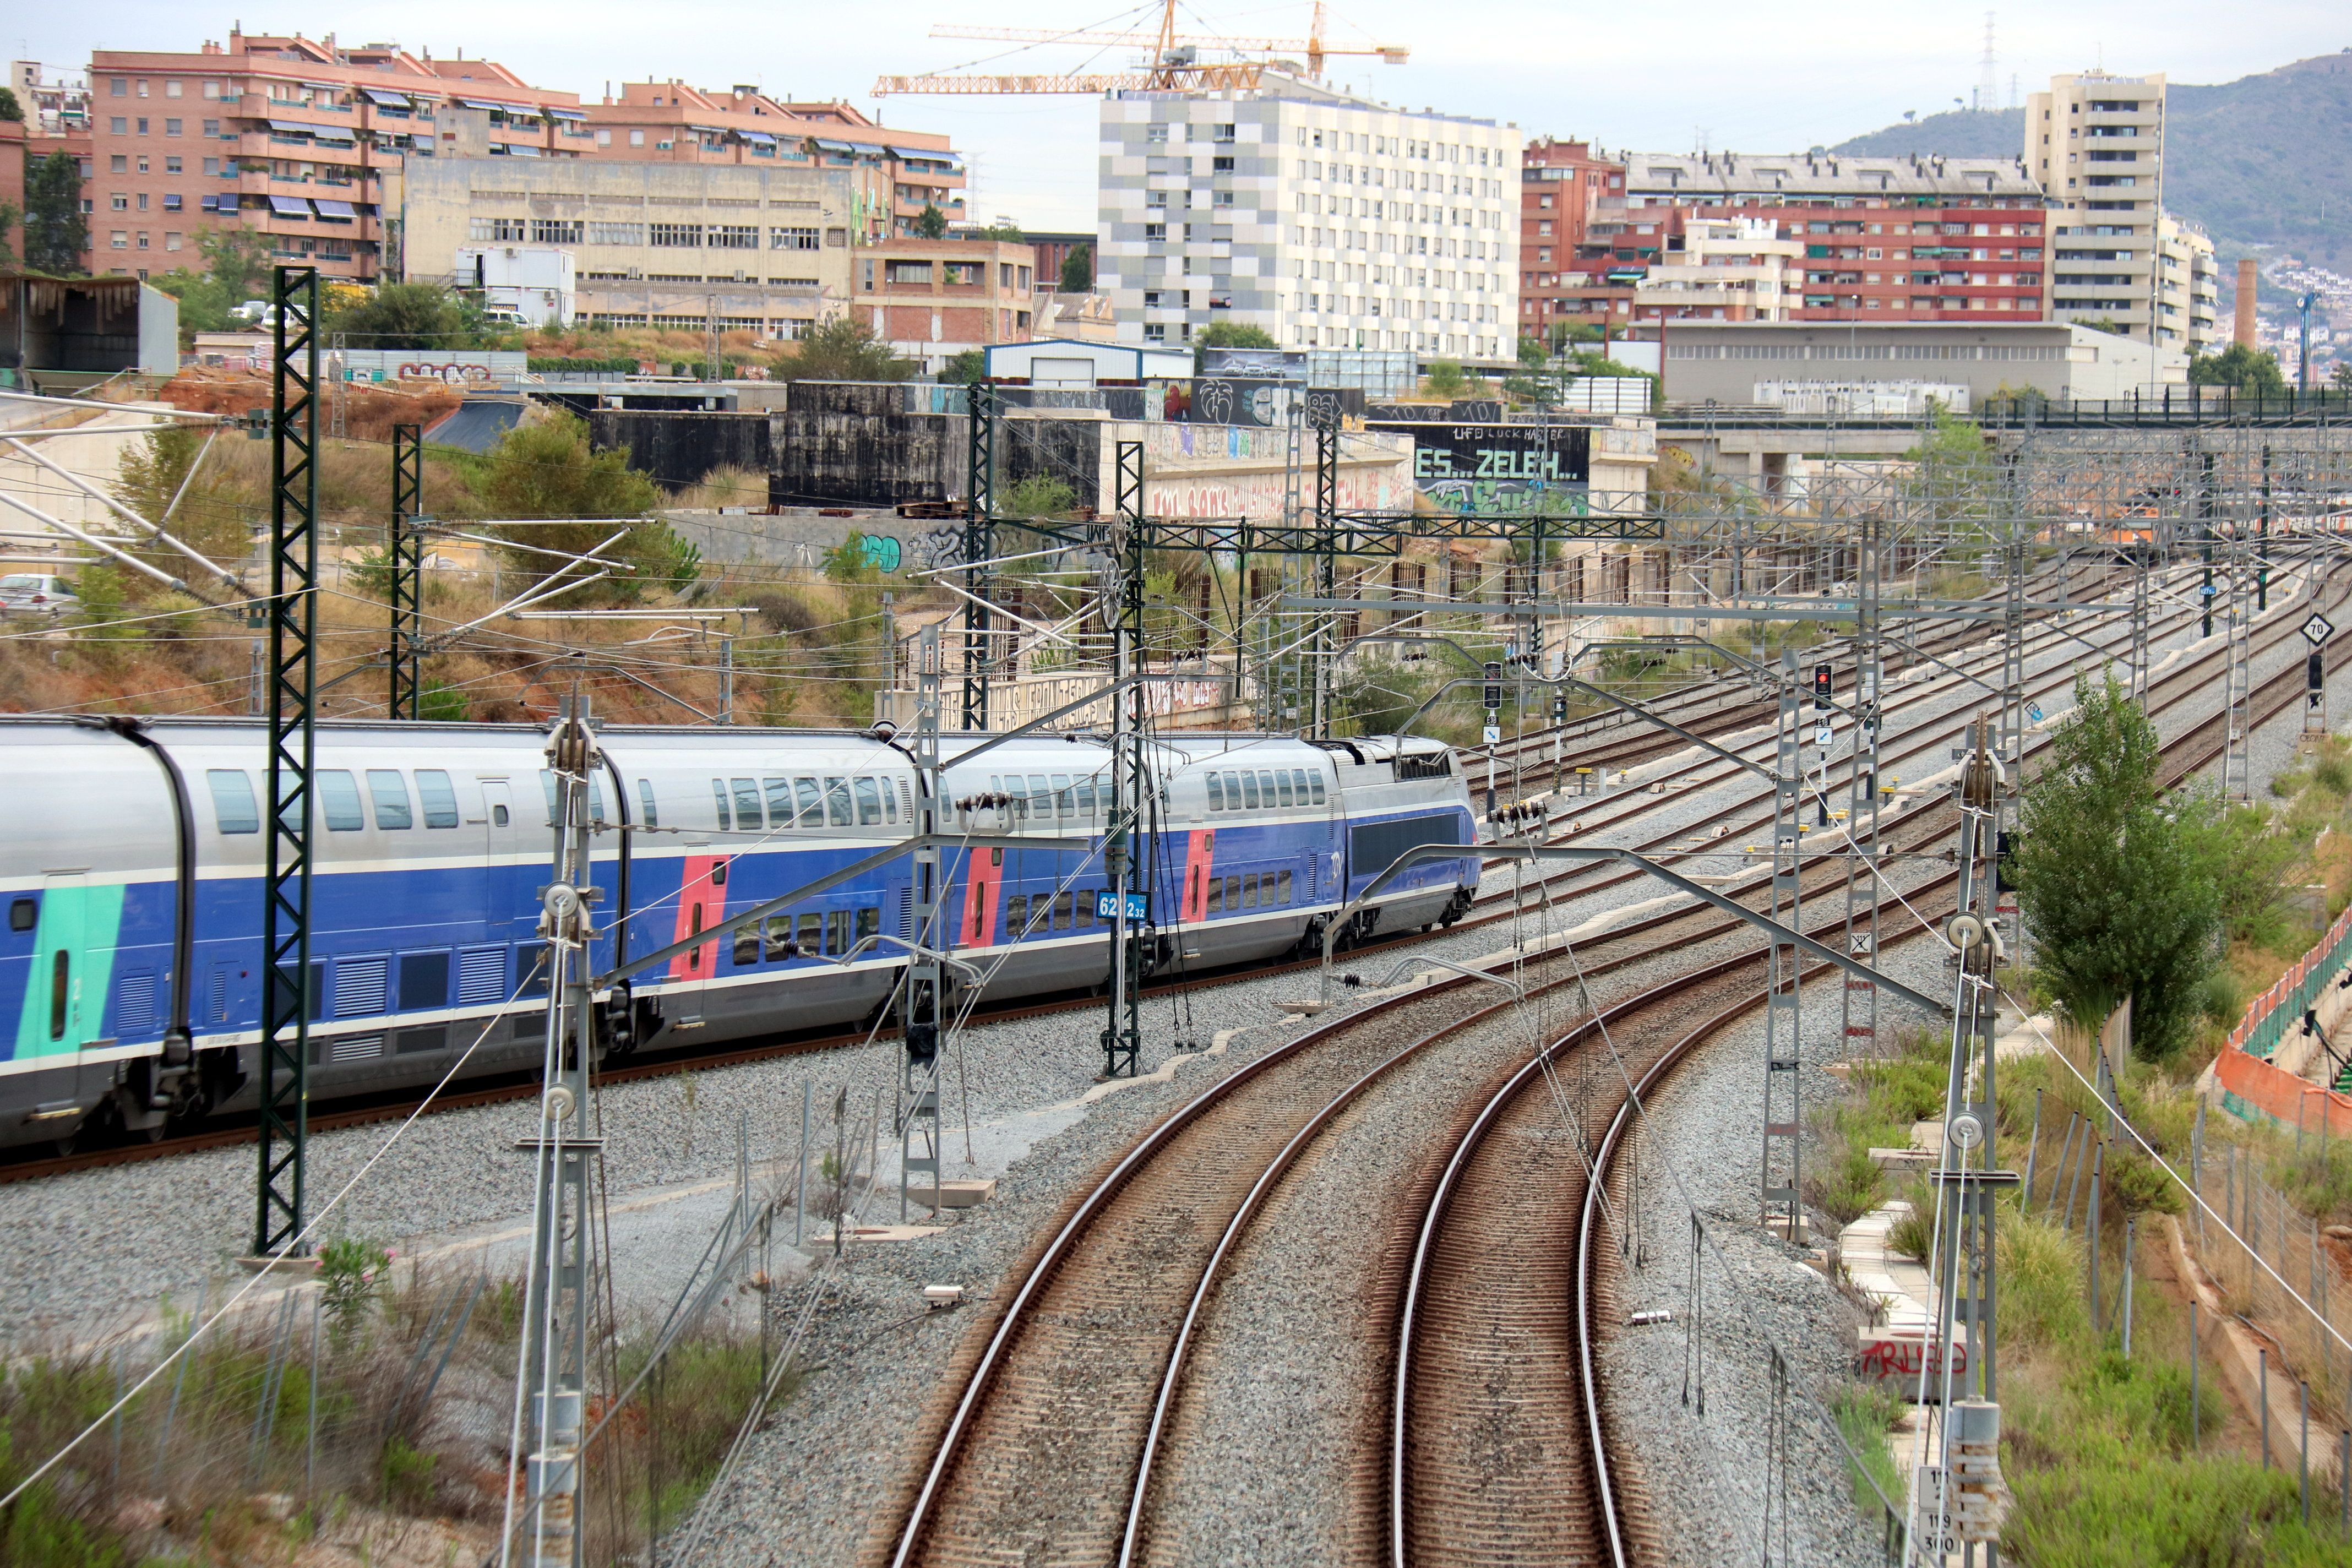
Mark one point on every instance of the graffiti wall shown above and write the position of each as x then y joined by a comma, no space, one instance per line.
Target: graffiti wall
1485,468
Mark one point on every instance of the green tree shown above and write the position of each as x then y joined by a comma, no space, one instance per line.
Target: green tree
407,316
164,468
1445,378
1001,229
2114,877
1078,271
9,108
236,268
1532,352
844,348
2341,377
9,213
544,468
2247,370
965,369
56,233
931,223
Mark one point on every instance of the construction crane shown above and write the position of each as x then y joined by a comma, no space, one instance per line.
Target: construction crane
1175,64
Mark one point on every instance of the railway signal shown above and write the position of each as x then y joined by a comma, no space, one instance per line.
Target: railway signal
1494,691
1822,688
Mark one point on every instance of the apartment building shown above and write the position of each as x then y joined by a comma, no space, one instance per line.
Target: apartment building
1328,220
2095,142
934,299
1727,270
54,103
306,140
894,175
1562,183
1919,239
659,244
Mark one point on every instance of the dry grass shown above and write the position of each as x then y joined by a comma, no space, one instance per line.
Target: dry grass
725,487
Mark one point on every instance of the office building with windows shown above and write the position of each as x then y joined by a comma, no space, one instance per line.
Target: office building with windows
1331,221
669,245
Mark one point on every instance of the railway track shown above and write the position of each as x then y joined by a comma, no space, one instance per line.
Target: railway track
1497,1442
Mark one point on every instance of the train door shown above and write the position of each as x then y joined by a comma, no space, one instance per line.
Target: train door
497,839
65,1002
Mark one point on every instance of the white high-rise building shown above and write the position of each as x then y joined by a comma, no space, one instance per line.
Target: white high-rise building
1330,221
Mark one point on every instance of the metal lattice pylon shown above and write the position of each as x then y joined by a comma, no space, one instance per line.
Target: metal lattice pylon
1859,1021
404,547
289,706
1783,1187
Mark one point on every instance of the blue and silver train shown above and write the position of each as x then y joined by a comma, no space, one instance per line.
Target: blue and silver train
131,861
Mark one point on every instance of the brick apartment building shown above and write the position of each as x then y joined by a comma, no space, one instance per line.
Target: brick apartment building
304,140
1902,239
934,299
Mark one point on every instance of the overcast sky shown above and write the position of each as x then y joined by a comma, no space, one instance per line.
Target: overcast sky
1655,77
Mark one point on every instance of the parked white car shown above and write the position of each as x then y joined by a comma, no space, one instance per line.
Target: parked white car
36,594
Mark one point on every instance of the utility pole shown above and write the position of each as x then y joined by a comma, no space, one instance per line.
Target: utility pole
925,1003
1130,786
556,1301
1783,1187
1860,999
979,548
289,708
404,552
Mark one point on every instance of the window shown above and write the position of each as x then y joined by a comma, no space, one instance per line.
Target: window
338,793
869,922
812,803
677,236
1216,895
233,807
836,802
869,803
1016,915
440,801
172,165
1282,887
809,936
171,128
836,932
1065,910
746,804
1217,792
1283,784
556,230
791,239
496,230
1064,805
390,793
779,939
1155,233
118,165
645,801
1310,788
1249,790
172,205
616,234
1249,890
118,87
23,913
747,946
718,792
119,202
735,236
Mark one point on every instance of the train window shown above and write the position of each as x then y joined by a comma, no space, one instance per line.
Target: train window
233,807
1310,788
339,796
438,798
1266,790
1282,785
390,793
869,922
718,793
1065,911
497,817
424,980
1016,914
1317,779
869,803
780,938
1040,797
1086,797
596,798
836,802
1085,909
547,787
747,946
1249,790
1217,792
1249,890
1282,887
60,987
1232,892
810,800
649,816
889,803
836,932
746,804
23,913
780,801
1065,803
1018,788
1216,895
810,936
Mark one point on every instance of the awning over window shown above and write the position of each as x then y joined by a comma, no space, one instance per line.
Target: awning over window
385,98
522,150
760,136
825,146
926,155
291,206
495,106
566,114
339,211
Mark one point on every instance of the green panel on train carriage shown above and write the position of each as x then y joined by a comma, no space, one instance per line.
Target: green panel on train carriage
83,923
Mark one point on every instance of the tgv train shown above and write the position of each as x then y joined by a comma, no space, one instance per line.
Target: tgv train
131,863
